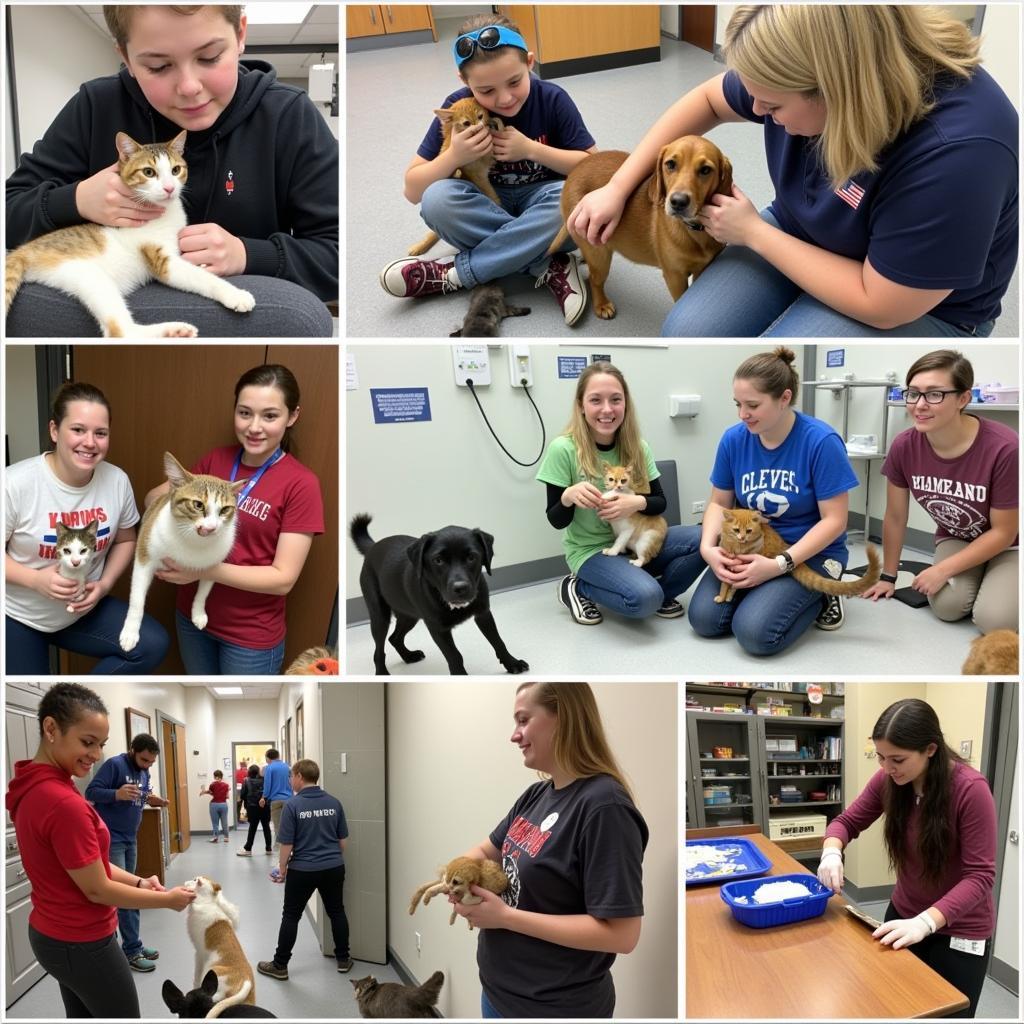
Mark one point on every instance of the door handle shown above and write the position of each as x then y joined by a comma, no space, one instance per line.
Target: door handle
1014,836
373,14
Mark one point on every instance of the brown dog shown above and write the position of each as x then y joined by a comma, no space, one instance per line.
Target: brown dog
659,224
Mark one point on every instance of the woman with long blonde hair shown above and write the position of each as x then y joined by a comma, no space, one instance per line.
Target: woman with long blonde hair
874,117
603,431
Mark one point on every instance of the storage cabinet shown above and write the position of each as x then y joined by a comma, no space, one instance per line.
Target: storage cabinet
387,19
150,859
725,782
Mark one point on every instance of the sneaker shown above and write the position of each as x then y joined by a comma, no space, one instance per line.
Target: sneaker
564,282
831,615
269,968
150,954
269,853
346,965
213,840
581,608
139,963
243,853
670,610
412,278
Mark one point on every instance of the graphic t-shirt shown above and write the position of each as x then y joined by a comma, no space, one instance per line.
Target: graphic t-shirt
574,850
587,534
786,483
122,817
313,822
958,493
286,500
548,116
35,500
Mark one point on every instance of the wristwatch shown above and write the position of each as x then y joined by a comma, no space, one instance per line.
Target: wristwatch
887,577
785,562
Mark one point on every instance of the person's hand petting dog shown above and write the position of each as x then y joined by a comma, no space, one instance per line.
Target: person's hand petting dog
731,220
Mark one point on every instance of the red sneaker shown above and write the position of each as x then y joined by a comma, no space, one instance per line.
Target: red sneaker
564,282
411,278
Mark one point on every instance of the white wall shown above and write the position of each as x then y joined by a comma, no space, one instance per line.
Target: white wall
21,401
452,775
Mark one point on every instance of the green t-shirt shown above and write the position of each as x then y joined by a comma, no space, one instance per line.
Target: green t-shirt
587,534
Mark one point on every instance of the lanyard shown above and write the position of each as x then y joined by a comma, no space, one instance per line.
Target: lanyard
255,479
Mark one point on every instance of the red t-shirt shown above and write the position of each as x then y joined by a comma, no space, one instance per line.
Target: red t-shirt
240,775
59,831
286,500
219,789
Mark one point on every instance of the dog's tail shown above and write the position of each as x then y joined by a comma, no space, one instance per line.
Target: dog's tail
560,238
239,997
360,534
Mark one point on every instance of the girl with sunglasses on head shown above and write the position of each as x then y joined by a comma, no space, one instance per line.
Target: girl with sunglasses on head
962,470
544,138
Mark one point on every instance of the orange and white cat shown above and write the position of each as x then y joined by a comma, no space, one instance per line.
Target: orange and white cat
642,534
100,265
456,878
212,923
747,532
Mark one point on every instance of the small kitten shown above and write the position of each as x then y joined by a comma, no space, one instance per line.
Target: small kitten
642,534
380,999
747,532
75,550
456,878
194,524
100,265
487,308
459,117
994,654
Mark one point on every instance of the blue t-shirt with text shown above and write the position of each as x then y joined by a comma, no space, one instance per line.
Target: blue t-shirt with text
312,822
122,817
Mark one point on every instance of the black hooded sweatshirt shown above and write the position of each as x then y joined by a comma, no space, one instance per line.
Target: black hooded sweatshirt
266,170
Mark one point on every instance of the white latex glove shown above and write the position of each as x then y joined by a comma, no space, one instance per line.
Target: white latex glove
830,868
900,933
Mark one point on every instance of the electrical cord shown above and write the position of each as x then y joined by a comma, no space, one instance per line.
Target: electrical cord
543,433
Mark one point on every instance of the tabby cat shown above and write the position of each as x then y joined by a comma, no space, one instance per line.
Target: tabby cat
487,308
379,999
459,117
193,524
100,265
643,534
75,548
747,532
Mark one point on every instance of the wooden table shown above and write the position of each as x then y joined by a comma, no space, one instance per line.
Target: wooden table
826,967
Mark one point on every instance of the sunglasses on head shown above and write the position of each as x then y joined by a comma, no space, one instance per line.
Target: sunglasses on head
487,38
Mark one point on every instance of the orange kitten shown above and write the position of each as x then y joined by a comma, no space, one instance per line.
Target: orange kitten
994,654
642,534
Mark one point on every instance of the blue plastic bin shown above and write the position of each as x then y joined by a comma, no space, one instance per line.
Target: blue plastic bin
747,860
767,915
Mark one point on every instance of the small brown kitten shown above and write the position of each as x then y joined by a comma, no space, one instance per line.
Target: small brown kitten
380,999
457,877
459,117
746,532
994,654
487,308
642,534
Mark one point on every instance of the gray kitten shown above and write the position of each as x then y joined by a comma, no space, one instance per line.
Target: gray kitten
487,308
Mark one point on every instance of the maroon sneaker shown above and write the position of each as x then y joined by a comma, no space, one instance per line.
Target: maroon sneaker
564,282
411,278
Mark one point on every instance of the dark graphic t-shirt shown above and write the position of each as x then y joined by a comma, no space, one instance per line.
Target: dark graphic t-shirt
575,850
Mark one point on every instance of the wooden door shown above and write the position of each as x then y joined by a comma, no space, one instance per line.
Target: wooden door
171,786
699,26
363,20
181,786
406,17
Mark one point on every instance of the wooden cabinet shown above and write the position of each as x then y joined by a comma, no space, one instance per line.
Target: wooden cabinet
150,860
387,19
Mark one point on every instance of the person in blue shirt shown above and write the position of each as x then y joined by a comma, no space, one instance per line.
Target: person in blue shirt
119,791
544,138
276,789
894,159
795,471
312,859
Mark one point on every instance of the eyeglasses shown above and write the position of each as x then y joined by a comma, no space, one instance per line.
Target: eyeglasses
912,396
487,38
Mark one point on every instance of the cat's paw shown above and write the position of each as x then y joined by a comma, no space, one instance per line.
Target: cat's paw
200,619
236,299
128,639
638,562
176,329
607,551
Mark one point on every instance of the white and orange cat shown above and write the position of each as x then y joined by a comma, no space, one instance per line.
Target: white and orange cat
193,524
747,532
100,265
212,924
456,878
459,117
642,534
76,548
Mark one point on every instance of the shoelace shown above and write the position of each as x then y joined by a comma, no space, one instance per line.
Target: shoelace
558,281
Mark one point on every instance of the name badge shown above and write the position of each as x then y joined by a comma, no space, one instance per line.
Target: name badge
976,947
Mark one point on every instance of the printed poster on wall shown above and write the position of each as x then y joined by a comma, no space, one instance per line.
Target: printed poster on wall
400,405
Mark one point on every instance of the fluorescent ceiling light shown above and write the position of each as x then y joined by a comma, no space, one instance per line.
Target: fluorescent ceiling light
276,14
228,691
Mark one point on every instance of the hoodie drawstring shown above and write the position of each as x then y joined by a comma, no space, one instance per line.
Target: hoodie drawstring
213,180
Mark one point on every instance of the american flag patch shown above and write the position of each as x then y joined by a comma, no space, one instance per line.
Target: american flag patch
851,193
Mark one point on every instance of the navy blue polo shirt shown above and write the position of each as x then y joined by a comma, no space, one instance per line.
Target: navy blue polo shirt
940,211
312,822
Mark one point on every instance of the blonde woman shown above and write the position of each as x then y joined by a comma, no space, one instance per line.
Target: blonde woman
572,846
603,431
874,117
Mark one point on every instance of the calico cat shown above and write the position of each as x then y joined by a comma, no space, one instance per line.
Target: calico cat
194,524
75,550
642,534
487,308
380,999
460,116
456,878
747,532
994,654
100,265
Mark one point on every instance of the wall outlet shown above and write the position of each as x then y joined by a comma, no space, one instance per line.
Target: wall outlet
520,366
419,943
697,506
965,748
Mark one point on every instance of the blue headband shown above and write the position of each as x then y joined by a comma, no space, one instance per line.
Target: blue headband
504,37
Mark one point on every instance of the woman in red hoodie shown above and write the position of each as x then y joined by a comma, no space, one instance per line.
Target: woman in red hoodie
64,848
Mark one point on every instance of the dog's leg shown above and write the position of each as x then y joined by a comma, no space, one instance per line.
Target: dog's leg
443,639
485,623
677,282
403,623
380,619
599,261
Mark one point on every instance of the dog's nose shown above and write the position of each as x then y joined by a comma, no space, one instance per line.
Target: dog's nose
460,587
679,201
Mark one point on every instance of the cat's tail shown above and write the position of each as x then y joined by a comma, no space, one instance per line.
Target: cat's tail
13,276
426,995
824,585
360,534
239,997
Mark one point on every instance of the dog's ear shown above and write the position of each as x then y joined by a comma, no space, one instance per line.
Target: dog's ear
417,552
174,998
724,176
209,985
656,189
487,544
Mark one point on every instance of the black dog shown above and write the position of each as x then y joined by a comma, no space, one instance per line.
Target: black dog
437,578
199,1002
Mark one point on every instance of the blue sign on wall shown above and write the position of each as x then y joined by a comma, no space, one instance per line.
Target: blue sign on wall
570,367
400,405
835,357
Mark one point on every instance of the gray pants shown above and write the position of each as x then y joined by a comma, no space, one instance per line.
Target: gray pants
988,592
283,310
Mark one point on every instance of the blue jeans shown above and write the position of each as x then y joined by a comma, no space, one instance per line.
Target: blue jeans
94,634
763,302
765,619
495,241
613,583
219,813
123,855
206,655
487,1011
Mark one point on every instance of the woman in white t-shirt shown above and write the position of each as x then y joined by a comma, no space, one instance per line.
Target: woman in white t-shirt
74,485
